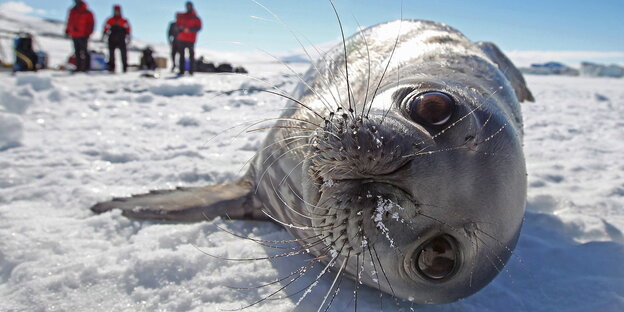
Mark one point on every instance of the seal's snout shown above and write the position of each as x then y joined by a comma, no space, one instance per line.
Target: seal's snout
351,147
437,259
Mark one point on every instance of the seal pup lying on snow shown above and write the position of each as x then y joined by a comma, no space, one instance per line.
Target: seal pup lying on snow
398,163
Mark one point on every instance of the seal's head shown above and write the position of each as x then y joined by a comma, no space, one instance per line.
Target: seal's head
421,191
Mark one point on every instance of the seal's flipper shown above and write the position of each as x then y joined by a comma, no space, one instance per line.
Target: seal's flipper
189,204
507,67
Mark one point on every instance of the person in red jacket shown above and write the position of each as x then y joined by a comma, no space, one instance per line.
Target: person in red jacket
117,29
79,28
188,25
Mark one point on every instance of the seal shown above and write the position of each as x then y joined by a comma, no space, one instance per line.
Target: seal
398,162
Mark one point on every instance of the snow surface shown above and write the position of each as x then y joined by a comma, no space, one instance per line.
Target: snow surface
87,138
69,141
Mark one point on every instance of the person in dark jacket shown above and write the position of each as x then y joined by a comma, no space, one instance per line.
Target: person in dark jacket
117,29
147,59
172,38
188,24
80,27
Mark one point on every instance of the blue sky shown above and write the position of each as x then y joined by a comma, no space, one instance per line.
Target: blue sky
513,25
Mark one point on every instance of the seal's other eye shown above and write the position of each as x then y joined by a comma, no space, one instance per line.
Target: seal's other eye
437,259
433,107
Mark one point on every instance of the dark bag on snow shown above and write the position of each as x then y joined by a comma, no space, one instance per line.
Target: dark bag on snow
25,57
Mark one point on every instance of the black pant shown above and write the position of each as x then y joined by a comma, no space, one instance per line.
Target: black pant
82,54
182,64
174,51
121,45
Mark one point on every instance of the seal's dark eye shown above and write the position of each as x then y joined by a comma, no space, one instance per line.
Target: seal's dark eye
434,108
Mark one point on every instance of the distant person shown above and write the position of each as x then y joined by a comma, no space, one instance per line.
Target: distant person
188,25
147,59
172,38
117,29
80,27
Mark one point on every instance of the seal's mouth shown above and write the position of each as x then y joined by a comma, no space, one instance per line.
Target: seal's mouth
356,213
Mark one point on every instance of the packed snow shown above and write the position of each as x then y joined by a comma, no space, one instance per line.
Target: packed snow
69,141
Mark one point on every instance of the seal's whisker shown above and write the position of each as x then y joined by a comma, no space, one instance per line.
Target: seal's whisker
278,91
306,203
324,172
291,171
299,271
300,242
346,57
303,270
500,261
284,96
455,148
283,154
494,134
341,275
358,277
242,124
331,262
279,196
383,271
398,71
486,121
474,262
318,216
288,150
376,274
274,161
460,147
331,78
278,127
282,255
270,295
326,83
478,107
292,139
435,151
301,227
499,270
501,244
323,100
396,43
521,261
368,77
317,260
304,250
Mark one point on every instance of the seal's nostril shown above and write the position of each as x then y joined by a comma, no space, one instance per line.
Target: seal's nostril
437,258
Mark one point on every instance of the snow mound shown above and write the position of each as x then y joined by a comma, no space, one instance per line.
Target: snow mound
550,68
11,131
16,101
174,89
36,81
188,121
598,70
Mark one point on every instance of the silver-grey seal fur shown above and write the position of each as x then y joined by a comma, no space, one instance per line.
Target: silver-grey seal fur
398,162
